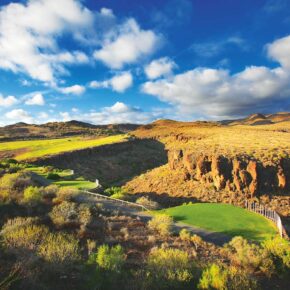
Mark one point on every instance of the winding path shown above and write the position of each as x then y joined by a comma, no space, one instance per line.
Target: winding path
212,237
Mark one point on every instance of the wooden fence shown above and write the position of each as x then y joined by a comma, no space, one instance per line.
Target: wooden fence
128,203
268,213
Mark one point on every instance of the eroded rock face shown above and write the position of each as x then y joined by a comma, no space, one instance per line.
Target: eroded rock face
235,174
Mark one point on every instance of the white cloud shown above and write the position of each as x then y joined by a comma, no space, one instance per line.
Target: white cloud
74,90
35,100
126,45
8,101
19,115
119,83
280,50
43,115
159,67
107,12
216,93
29,32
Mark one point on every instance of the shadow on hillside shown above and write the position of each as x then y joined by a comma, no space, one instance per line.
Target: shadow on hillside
114,164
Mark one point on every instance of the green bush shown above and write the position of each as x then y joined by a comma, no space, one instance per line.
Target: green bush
23,233
225,278
116,192
213,277
161,223
66,194
169,266
59,248
32,194
53,176
110,259
279,250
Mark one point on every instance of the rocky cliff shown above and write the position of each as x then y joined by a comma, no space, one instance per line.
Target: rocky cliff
240,173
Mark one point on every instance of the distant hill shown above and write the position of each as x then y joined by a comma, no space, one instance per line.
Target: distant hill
259,119
23,131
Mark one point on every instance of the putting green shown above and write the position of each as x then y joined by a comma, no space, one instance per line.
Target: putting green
224,218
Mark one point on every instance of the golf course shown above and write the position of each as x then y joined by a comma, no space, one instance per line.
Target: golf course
224,218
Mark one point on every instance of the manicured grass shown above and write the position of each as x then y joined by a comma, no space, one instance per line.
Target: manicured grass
37,148
224,218
80,184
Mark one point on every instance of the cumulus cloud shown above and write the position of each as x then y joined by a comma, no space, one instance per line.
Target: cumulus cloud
8,101
29,32
159,67
19,115
74,90
217,93
35,100
126,45
119,83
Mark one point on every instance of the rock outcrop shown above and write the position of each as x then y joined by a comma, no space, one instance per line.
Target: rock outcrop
241,174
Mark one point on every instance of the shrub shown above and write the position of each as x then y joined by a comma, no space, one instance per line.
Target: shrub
184,235
197,241
279,250
66,194
213,277
145,201
116,192
53,176
111,259
250,257
161,223
59,248
50,191
171,265
220,277
23,232
84,214
32,194
64,213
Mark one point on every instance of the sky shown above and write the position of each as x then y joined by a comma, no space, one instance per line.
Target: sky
120,61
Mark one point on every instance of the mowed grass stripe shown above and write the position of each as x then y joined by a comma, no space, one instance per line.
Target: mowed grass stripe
39,148
224,218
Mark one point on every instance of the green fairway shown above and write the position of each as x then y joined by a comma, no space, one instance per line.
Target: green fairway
224,218
79,184
37,148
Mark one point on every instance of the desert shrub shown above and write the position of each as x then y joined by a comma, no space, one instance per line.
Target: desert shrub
53,176
213,277
66,194
64,213
249,257
84,214
170,267
184,235
50,191
32,194
59,248
13,184
116,192
147,202
222,278
197,241
161,223
23,232
279,250
110,259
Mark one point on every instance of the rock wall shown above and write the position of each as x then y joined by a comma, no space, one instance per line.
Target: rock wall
241,174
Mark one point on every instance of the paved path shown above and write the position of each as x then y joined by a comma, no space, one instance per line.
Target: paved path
213,237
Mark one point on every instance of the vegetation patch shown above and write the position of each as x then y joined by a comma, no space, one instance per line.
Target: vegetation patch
224,218
32,149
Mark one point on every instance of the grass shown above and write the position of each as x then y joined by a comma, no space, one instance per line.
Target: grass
33,149
80,184
224,218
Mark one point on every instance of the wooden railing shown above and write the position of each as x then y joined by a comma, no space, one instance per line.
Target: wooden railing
128,203
268,213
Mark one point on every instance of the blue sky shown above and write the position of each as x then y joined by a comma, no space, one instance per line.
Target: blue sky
112,61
